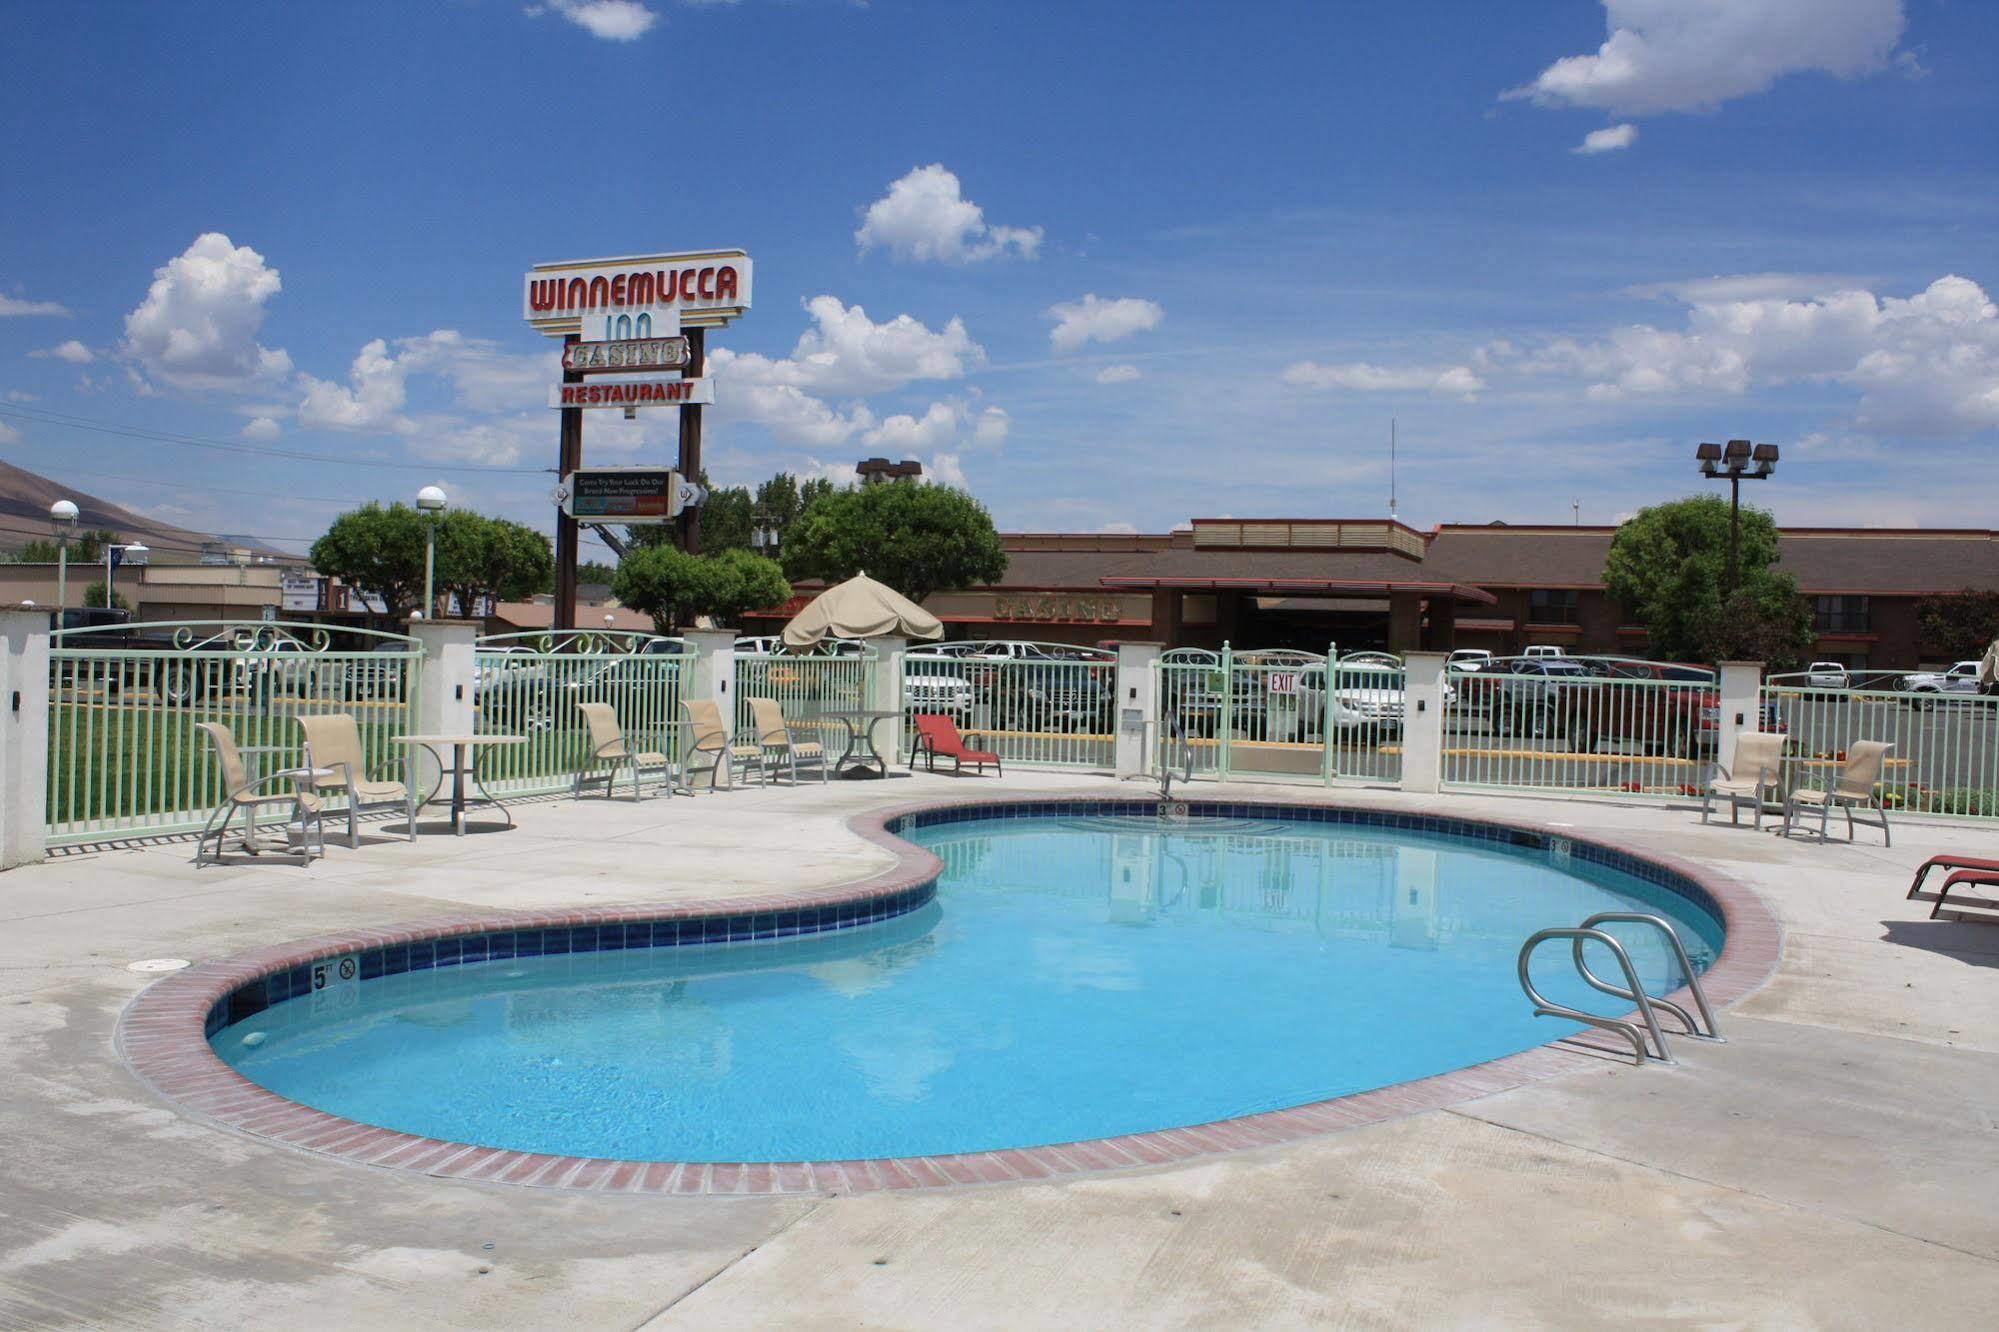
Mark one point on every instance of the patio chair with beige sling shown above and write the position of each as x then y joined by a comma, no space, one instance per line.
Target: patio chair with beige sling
610,754
240,793
708,738
333,742
1751,780
774,738
1853,789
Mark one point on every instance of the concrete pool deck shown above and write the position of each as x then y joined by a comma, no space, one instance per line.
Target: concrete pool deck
1831,1166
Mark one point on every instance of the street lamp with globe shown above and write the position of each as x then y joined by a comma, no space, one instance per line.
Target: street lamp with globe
62,517
430,501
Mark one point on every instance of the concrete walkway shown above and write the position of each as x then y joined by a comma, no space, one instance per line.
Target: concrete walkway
1832,1166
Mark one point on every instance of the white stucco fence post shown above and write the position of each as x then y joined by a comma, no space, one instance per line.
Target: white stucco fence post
447,687
712,673
24,736
1135,710
1423,721
887,693
1741,710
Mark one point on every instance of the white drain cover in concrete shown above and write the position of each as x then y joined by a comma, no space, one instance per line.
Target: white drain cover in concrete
153,964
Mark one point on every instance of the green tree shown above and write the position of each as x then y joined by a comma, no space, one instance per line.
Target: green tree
84,548
745,582
479,557
1667,566
596,573
810,492
378,550
673,586
1956,626
94,596
725,520
664,582
918,539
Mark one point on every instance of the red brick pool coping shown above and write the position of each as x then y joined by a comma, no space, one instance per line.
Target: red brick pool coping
160,1035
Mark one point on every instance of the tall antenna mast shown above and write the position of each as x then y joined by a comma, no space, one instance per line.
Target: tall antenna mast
1391,469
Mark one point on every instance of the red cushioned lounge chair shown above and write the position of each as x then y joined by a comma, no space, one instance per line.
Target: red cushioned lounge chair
937,734
1950,862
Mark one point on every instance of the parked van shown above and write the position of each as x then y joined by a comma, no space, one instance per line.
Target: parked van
1543,650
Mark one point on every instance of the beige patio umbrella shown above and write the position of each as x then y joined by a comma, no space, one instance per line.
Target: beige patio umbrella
860,608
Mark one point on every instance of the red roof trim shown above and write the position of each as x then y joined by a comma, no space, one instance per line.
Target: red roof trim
1459,591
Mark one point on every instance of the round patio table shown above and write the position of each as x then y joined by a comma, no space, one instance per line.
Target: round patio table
860,724
461,770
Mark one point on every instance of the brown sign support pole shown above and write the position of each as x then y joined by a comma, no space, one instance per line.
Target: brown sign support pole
690,440
569,458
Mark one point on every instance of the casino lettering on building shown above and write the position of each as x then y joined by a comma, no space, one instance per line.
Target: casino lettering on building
1372,583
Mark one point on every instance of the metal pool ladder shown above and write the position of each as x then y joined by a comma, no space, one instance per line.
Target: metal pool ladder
1631,991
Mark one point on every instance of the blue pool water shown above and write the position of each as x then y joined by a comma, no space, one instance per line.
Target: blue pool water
1074,978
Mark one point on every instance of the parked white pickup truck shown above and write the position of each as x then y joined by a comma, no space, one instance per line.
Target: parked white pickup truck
1929,687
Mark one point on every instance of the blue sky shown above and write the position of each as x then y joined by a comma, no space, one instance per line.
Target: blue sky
1111,264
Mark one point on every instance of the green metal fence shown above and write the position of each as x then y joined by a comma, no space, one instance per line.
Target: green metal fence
1945,758
1280,715
1606,726
125,759
808,687
1045,705
530,684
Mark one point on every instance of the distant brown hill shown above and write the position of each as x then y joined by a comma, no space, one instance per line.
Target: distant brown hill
24,516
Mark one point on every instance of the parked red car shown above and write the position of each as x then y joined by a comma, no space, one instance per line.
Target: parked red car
1661,706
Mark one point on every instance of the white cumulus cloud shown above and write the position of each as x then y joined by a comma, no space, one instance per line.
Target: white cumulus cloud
844,353
262,428
1688,55
9,435
72,351
483,376
613,20
1365,377
371,398
937,426
925,215
1923,364
197,326
990,428
1119,374
1094,319
1607,140
945,469
13,307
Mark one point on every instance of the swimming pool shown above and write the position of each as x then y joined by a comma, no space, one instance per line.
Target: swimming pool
1081,971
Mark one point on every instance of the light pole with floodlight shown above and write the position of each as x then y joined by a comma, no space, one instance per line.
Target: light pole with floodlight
134,554
62,517
430,501
1739,461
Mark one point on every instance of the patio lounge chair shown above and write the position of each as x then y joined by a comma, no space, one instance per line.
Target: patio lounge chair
708,737
1852,789
775,740
938,735
1758,758
1948,862
332,740
1967,878
610,754
240,793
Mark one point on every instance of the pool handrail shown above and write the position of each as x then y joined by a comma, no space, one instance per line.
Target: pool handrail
1546,1007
